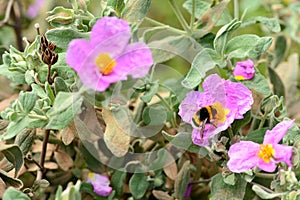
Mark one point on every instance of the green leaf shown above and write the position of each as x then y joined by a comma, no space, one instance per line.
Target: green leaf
61,37
136,10
200,7
49,92
118,181
138,185
12,194
257,135
147,97
39,91
264,194
154,115
15,127
60,85
258,83
272,24
60,15
27,100
117,5
10,181
182,180
279,90
221,190
65,108
14,155
223,35
163,49
183,140
239,123
247,45
204,61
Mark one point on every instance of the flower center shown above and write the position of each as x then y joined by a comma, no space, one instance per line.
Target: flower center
105,63
266,152
239,78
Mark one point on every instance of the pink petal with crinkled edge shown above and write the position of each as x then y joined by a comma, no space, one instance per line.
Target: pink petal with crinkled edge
77,52
191,104
136,60
100,184
283,153
278,132
214,86
108,28
267,167
242,156
245,69
239,99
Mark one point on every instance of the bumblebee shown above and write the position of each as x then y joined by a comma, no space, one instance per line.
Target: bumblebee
212,114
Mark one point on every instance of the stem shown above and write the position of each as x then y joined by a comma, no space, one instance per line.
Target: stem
7,13
230,132
265,175
156,23
192,16
17,17
43,155
263,187
262,122
180,16
201,181
173,122
49,79
236,9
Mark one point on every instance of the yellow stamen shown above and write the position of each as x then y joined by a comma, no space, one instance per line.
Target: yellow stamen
239,78
91,175
220,115
266,152
105,63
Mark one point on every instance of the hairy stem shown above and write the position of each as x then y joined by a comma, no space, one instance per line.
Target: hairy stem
180,16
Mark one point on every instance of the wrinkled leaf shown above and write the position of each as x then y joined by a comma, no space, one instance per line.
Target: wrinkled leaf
63,160
200,7
204,61
117,182
138,185
115,137
12,194
61,37
258,83
272,24
247,45
182,180
10,181
266,195
221,190
136,10
14,155
161,195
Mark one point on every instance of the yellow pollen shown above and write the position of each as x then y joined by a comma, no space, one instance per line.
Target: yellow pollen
266,152
221,112
105,63
91,175
239,78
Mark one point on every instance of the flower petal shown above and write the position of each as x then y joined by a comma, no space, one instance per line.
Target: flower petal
191,104
242,156
277,133
77,52
136,60
244,70
100,184
267,167
213,86
283,153
200,140
109,29
239,99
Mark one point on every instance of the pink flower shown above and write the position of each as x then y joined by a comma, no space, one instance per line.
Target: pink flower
246,155
225,101
107,57
244,70
34,9
100,184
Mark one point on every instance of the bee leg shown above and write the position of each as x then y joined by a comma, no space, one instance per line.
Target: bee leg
203,128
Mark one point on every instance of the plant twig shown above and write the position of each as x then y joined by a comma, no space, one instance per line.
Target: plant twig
7,13
43,155
180,16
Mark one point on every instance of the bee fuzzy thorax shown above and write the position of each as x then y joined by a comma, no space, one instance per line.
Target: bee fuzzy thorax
212,114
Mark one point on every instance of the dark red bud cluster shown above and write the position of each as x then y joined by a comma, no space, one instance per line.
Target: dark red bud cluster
47,48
